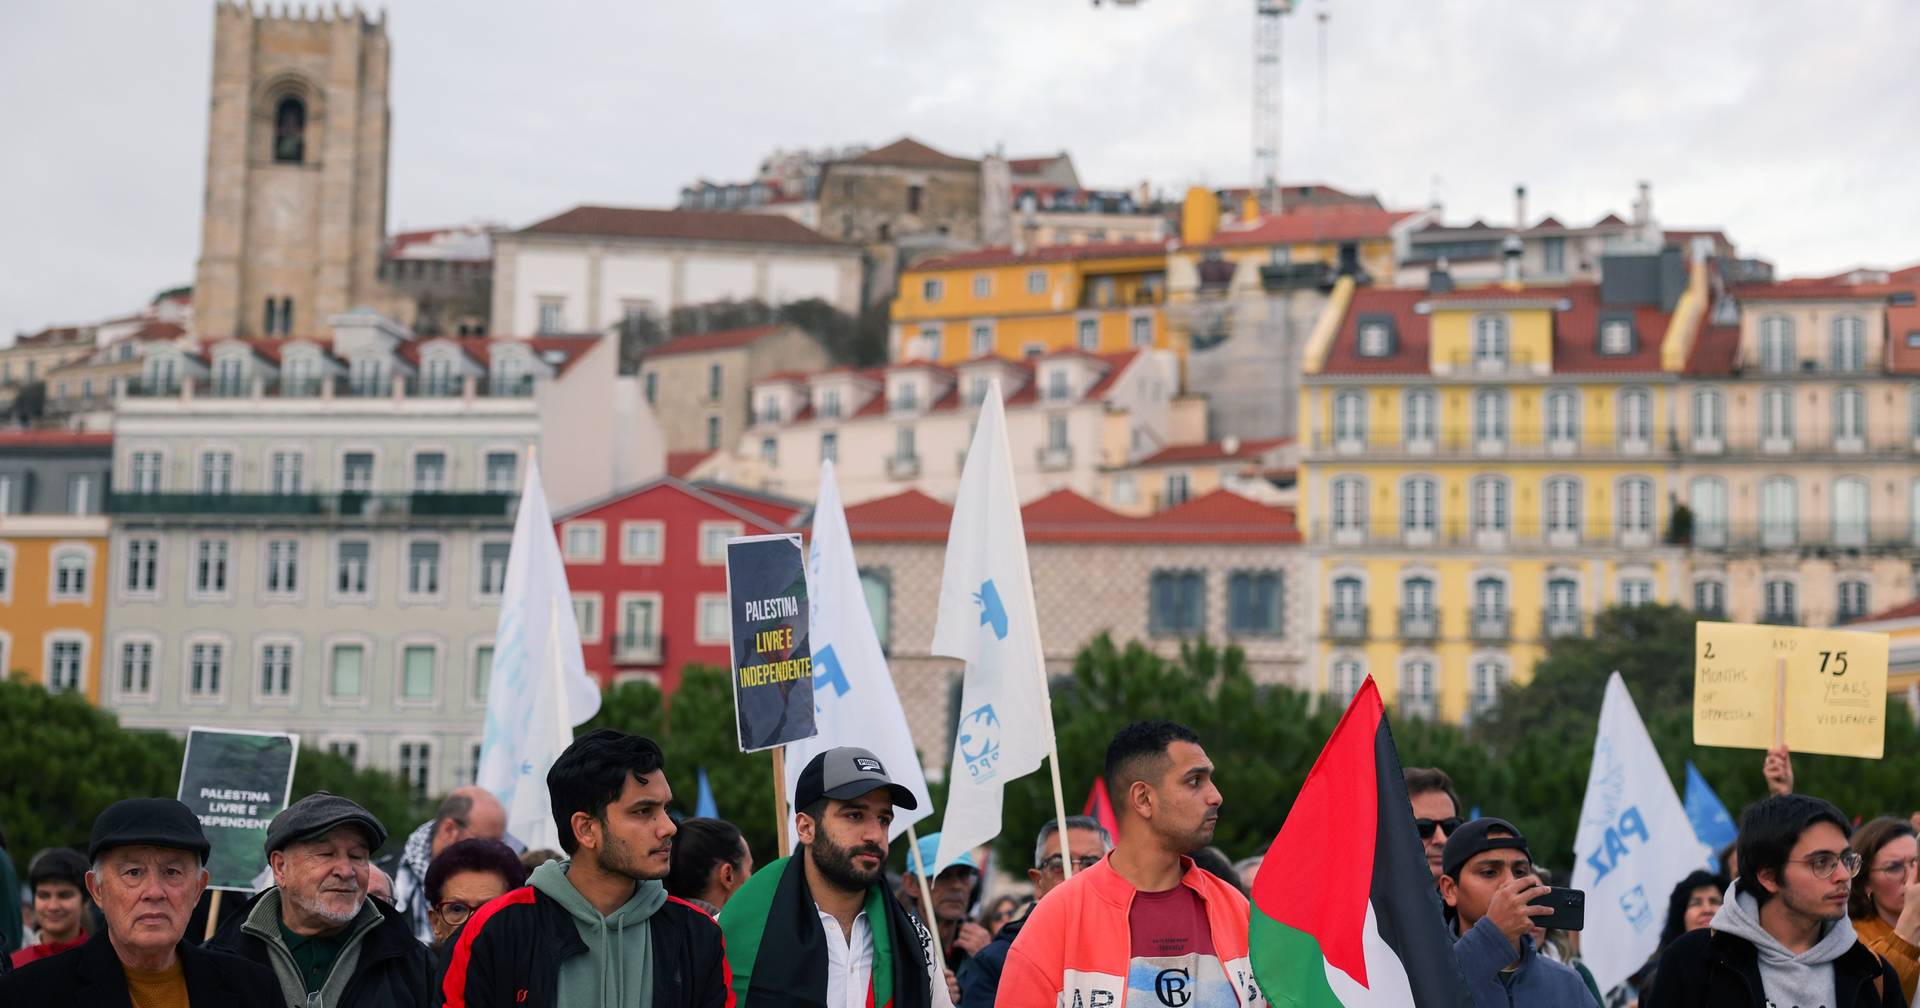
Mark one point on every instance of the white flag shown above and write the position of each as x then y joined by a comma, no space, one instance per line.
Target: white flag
539,687
1635,843
854,702
986,618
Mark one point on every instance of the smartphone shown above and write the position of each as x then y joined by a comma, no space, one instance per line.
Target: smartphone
1569,909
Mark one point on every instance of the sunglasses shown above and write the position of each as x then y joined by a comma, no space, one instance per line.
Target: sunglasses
1425,827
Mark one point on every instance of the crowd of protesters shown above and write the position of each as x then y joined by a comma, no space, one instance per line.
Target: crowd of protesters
637,908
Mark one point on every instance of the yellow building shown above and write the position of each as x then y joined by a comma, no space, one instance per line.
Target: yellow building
1100,298
1355,236
1902,627
1482,470
53,557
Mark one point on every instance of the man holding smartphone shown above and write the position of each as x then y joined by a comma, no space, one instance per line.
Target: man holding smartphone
1488,884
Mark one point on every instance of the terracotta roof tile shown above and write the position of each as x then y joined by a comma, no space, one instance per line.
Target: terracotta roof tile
1214,451
680,463
726,339
1903,331
55,439
1906,610
1333,222
1576,329
1715,350
1063,516
1816,289
680,225
907,152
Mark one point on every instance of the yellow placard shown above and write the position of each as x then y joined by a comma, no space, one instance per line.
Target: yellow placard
1819,691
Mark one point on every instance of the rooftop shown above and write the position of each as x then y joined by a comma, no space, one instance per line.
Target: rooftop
907,152
725,339
1331,222
1002,255
680,225
1066,517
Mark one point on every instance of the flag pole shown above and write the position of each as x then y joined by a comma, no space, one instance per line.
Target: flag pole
926,892
780,799
1059,802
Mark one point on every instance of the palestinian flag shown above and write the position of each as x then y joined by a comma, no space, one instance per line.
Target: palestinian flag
1344,908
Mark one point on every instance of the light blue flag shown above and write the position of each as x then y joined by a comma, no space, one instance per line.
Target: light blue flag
1708,813
703,806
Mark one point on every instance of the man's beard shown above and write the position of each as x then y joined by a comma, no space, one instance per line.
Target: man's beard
319,908
836,863
618,857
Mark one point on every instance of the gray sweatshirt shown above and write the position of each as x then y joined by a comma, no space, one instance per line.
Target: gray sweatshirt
617,971
1790,981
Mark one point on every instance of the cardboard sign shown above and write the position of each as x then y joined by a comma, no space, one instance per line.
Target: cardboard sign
772,657
236,782
1819,691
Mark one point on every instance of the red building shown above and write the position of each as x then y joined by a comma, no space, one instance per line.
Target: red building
647,567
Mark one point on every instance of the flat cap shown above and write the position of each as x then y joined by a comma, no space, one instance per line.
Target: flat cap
316,815
148,822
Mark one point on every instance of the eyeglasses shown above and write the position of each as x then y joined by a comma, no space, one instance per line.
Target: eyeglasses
454,913
1898,868
1082,863
1822,863
1425,827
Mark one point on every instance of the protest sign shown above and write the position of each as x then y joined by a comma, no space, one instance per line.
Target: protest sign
236,782
772,657
1817,691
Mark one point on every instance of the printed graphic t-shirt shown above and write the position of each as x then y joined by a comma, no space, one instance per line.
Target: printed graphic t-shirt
1174,965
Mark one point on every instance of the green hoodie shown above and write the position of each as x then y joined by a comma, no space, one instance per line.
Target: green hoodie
619,945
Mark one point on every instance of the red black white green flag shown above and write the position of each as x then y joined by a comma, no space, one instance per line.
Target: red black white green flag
1344,908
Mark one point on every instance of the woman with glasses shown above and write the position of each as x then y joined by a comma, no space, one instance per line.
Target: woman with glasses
466,876
1885,902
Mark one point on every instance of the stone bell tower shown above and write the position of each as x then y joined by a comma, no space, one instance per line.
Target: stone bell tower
295,210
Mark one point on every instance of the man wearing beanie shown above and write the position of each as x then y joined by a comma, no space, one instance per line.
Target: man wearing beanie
326,942
148,871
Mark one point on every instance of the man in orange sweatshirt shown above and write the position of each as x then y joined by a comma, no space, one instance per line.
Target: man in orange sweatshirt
1144,926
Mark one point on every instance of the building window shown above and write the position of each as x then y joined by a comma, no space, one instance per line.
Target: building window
503,472
829,447
430,472
982,285
1849,419
1418,425
80,496
1416,607
416,768
1376,338
1088,334
1489,677
1349,505
639,623
1553,255
1776,419
283,566
1563,418
713,541
1344,678
1419,696
1563,509
1778,604
1490,504
1489,606
930,341
1776,343
550,311
1709,418
713,626
876,585
1849,343
1636,591
913,198
145,472
216,472
903,447
136,667
932,290
1177,603
713,433
205,662
1490,418
583,539
653,388
1177,489
1778,501
276,670
1850,511
1710,598
210,567
286,472
482,672
640,542
351,559
1707,497
770,451
143,566
493,568
70,576
64,665
346,749
1036,281
1853,601
1616,337
1057,387
1636,507
417,672
423,568
1057,435
347,673
356,472
1635,418
1490,342
1254,603
290,131
1419,497
1350,419
586,616
1142,331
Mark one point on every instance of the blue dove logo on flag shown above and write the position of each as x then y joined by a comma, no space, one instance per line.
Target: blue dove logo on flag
980,739
993,613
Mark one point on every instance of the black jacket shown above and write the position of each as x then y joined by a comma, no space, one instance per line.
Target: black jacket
91,977
980,976
508,954
1709,968
393,970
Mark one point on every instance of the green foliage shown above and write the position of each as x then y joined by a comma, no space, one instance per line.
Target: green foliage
379,792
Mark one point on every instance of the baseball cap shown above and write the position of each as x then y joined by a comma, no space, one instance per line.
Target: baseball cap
928,853
847,772
148,822
316,815
1472,838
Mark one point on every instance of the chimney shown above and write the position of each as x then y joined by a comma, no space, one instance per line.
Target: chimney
1439,281
1520,207
1643,204
1510,258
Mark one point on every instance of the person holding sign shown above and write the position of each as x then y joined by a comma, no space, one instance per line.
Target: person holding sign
149,869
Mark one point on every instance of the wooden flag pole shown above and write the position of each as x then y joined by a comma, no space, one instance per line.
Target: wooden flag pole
213,916
780,799
1779,701
926,892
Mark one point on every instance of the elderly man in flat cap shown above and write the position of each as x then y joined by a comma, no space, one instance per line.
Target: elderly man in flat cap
149,869
329,945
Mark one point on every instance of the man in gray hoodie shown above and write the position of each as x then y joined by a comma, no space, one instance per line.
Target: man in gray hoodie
1488,884
1782,938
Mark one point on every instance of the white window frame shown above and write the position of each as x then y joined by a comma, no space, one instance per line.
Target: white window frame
301,458
442,572
66,636
733,529
217,698
982,337
1635,440
481,595
1628,518
933,290
1037,281
1357,664
1562,431
373,473
120,692
162,458
1777,334
1426,703
597,553
334,594
224,593
1563,529
1419,432
1845,531
700,628
1413,530
1083,327
982,285
299,569
70,550
9,573
334,742
1849,423
1349,421
1492,342
470,681
1491,439
1778,531
414,455
590,628
202,483
1708,533
654,525
401,646
1709,420
620,627
487,454
1140,331
432,747
368,662
260,646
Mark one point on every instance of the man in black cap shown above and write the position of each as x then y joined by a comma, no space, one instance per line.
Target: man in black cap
328,944
149,869
833,934
1488,884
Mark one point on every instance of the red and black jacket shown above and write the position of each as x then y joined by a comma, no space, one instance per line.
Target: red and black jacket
509,953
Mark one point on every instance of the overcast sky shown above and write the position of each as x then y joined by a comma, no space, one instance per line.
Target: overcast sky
1790,126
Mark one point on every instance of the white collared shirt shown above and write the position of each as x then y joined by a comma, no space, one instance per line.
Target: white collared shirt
849,961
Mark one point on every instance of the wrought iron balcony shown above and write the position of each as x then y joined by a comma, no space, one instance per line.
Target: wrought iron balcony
1490,626
1347,623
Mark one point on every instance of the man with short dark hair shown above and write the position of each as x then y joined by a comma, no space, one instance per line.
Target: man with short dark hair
1783,936
465,812
819,927
57,879
149,869
1488,884
1436,811
1146,911
328,943
597,930
1087,843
